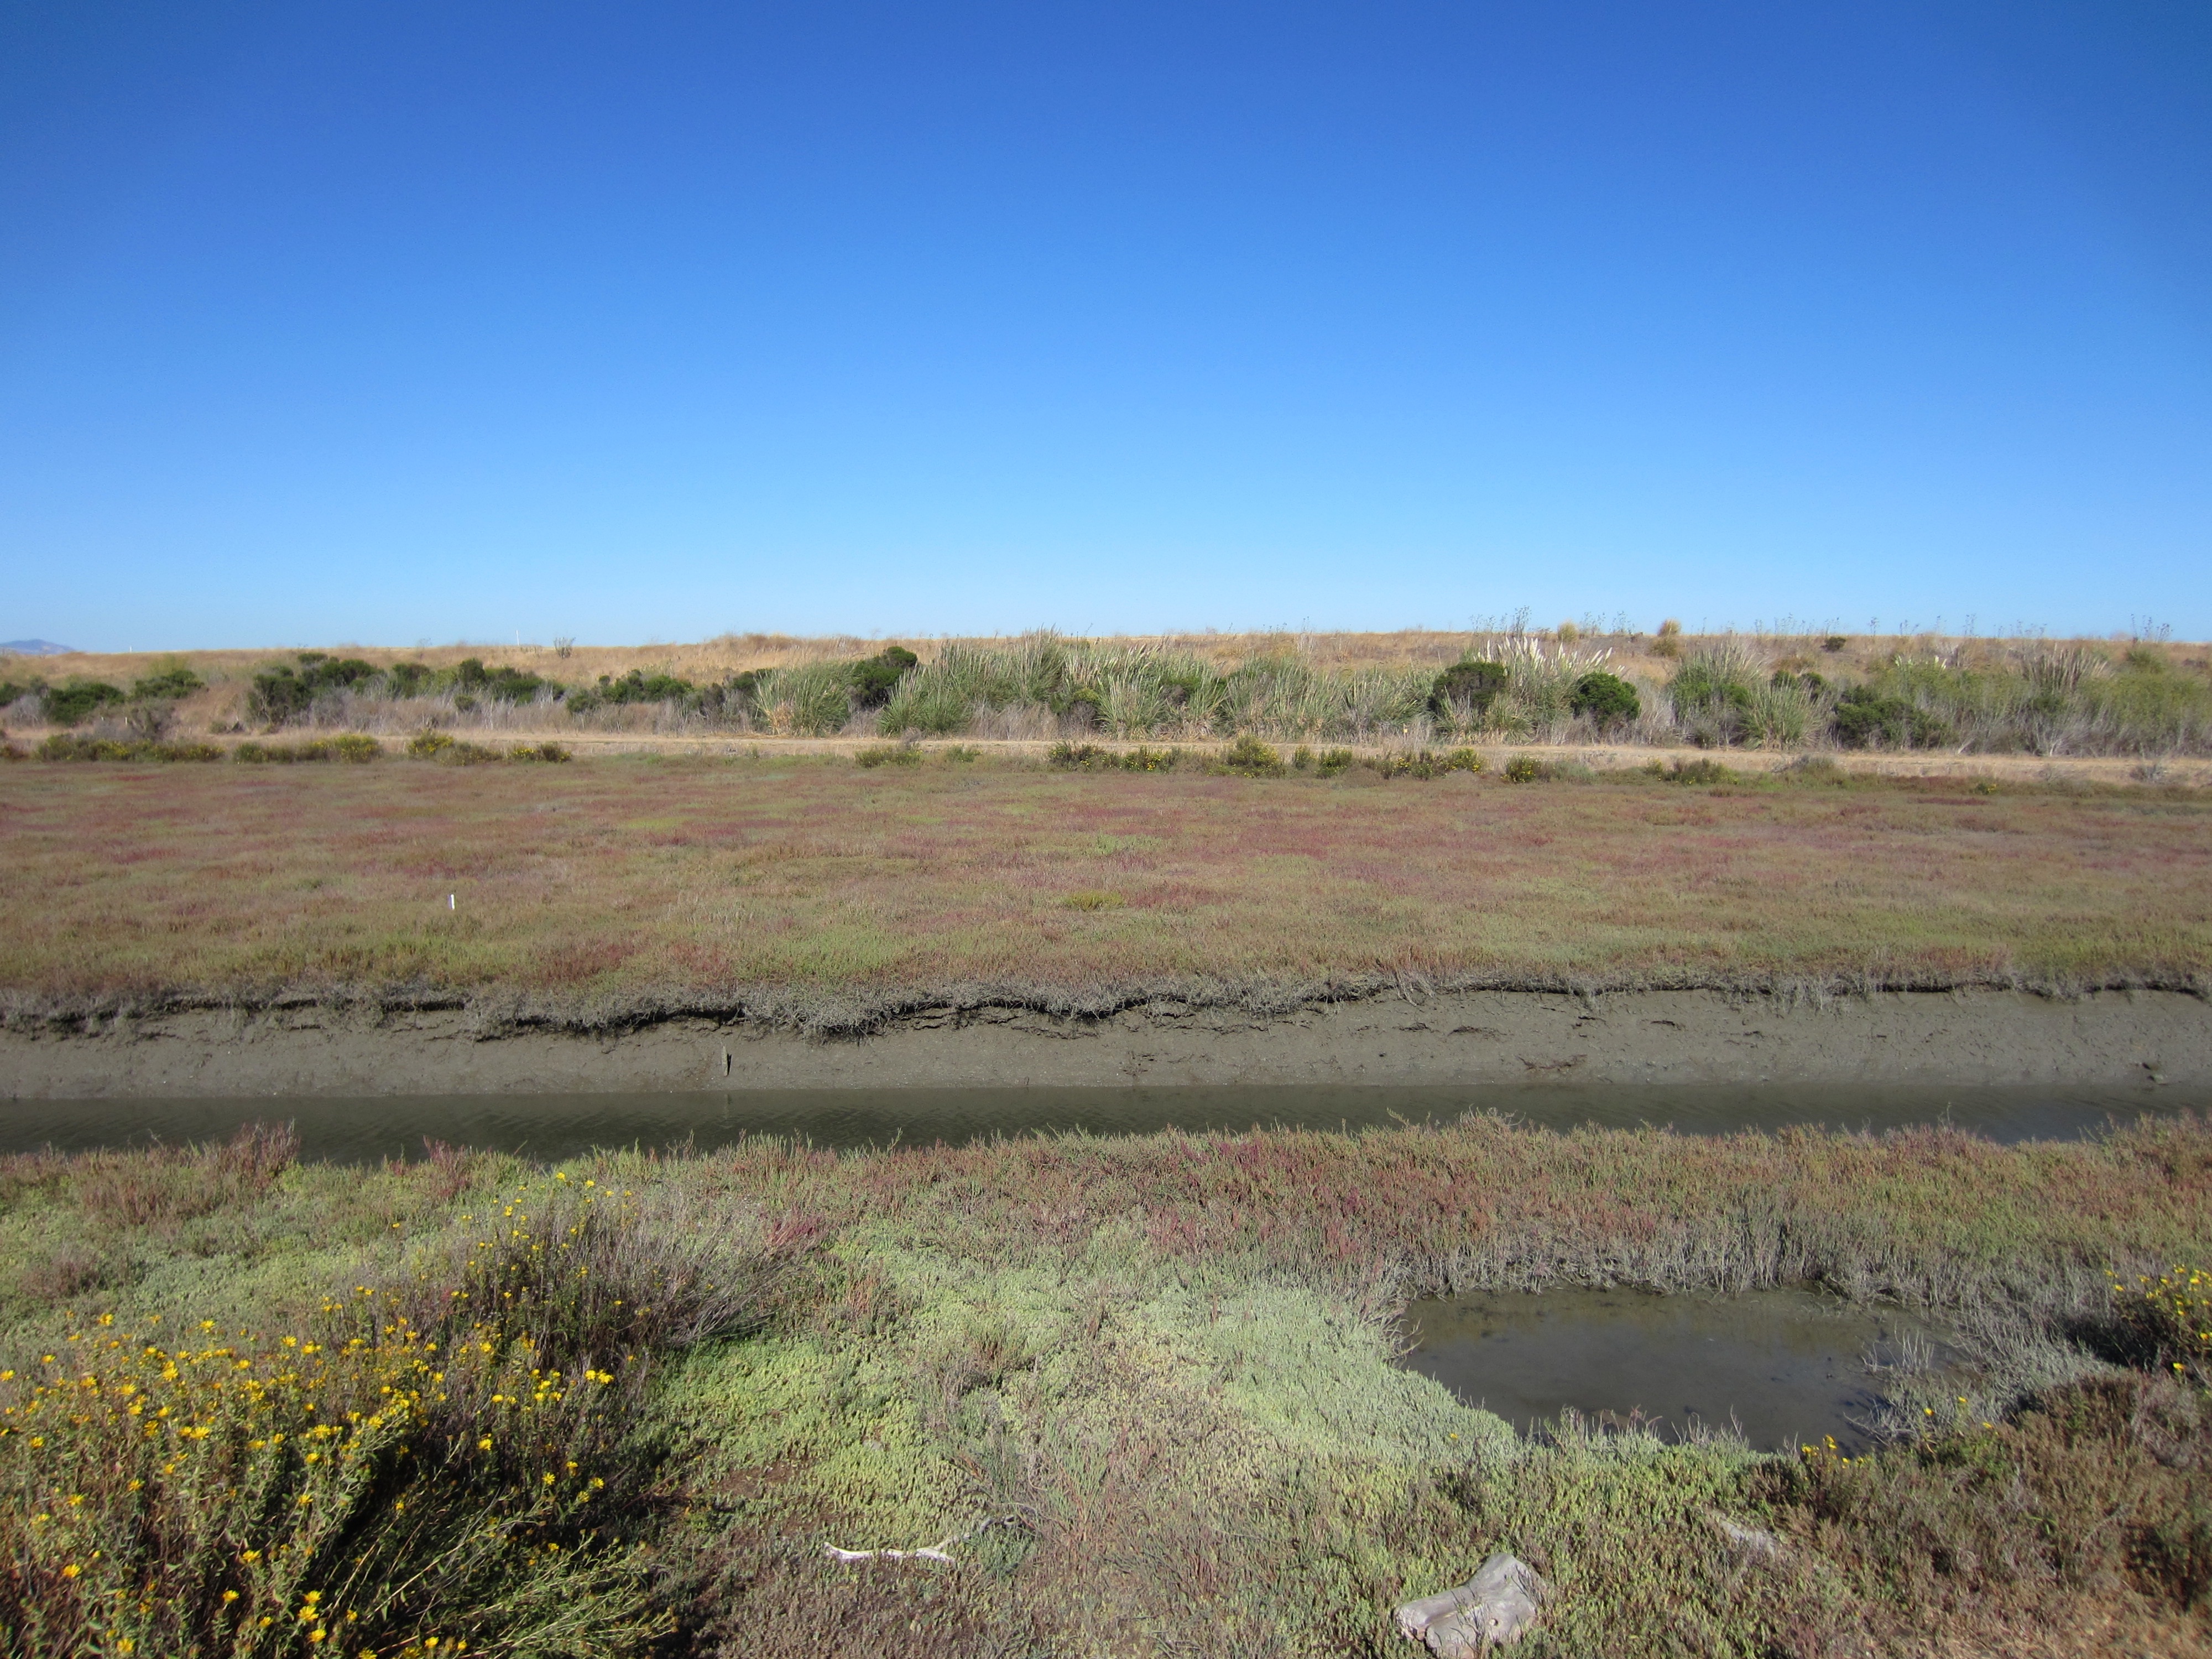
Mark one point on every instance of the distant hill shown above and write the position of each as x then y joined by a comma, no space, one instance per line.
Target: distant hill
35,647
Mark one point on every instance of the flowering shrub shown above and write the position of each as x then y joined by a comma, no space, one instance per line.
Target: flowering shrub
439,1467
2171,1318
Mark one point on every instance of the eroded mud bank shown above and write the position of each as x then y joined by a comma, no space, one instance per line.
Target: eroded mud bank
1964,1037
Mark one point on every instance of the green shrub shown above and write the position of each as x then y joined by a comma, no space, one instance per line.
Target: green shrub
1817,768
76,698
1069,757
356,747
551,754
888,754
1834,642
66,746
449,751
1472,684
1093,899
170,683
1330,762
1700,771
500,684
875,678
1424,765
1527,768
637,686
1250,757
1605,699
410,679
1865,719
956,754
1077,757
284,692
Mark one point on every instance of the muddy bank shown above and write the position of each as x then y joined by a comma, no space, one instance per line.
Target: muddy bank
1470,1039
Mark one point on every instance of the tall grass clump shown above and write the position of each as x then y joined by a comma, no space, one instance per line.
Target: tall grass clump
2038,699
811,699
1523,686
1042,684
1716,693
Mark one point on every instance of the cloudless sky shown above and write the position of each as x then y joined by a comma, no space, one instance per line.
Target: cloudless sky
388,322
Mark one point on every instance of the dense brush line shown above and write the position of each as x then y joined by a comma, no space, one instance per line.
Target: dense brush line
2032,697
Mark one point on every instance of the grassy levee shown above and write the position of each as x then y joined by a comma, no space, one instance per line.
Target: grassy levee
614,888
633,1399
2147,699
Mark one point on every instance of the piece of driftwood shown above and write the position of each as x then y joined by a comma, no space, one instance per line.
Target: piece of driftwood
940,1551
1753,1543
1494,1607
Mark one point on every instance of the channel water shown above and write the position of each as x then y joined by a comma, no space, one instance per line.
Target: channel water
1783,1368
551,1127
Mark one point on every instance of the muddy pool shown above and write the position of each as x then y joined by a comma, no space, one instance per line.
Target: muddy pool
1783,1368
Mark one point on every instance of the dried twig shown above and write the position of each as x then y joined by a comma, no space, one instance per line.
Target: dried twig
937,1551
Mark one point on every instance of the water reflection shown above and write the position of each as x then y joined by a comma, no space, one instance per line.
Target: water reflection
559,1126
1785,1368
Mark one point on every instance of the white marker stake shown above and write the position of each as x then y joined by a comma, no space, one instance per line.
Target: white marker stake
450,901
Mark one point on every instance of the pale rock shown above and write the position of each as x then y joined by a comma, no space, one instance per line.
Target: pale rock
1492,1609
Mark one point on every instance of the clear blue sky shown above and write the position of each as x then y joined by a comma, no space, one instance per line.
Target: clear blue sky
380,322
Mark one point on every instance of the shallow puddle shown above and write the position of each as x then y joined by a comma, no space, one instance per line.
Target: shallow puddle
1784,1368
563,1126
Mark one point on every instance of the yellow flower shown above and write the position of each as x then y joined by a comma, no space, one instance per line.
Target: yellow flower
72,1571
